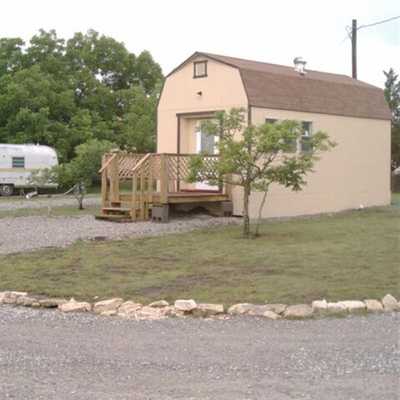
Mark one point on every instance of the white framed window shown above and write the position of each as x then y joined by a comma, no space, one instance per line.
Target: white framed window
199,69
302,144
305,145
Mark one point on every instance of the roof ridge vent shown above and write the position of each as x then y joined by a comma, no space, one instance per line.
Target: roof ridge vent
300,65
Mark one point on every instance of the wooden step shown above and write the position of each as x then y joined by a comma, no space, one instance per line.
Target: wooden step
119,210
114,218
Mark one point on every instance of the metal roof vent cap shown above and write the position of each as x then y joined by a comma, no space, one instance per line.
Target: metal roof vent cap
299,65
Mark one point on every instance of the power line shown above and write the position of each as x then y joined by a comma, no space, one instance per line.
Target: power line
379,22
348,28
352,35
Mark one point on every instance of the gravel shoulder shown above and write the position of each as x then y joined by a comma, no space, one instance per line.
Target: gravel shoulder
35,232
49,355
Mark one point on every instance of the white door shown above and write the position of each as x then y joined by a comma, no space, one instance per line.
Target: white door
206,144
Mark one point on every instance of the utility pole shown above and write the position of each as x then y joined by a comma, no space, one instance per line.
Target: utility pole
354,48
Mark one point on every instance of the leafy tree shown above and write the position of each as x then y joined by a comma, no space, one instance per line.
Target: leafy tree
86,164
82,171
254,157
64,93
138,119
11,57
392,96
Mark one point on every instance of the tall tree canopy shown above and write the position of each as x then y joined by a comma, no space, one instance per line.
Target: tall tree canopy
66,92
392,95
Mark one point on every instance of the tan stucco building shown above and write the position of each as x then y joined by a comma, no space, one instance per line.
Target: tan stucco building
354,114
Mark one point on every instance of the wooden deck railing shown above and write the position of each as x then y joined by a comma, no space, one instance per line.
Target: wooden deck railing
154,176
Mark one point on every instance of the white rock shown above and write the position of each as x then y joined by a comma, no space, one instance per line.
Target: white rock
107,305
185,305
206,309
11,297
75,306
129,309
319,305
276,308
171,311
336,308
390,303
27,301
373,305
159,304
298,311
108,313
271,315
240,309
258,310
353,305
148,312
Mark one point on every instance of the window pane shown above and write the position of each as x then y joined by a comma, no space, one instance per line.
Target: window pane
200,69
270,120
306,128
18,162
305,144
207,143
306,137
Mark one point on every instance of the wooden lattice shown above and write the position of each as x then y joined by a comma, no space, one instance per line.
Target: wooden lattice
179,166
126,163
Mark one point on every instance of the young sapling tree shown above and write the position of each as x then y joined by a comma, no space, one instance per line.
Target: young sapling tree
255,157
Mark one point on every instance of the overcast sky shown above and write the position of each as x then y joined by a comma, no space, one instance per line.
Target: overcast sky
263,30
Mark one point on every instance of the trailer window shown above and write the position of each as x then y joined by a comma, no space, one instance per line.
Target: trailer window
18,162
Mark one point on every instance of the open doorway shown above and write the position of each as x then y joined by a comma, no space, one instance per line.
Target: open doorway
206,144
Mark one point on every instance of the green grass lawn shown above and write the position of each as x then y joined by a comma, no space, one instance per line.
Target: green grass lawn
352,255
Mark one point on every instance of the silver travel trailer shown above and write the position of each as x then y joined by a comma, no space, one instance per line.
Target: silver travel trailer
18,161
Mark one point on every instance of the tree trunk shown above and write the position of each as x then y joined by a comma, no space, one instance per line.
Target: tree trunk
257,230
80,201
246,219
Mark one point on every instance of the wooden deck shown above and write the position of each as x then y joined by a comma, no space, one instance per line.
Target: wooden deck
156,182
183,197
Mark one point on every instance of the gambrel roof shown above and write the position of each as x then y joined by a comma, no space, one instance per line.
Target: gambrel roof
281,87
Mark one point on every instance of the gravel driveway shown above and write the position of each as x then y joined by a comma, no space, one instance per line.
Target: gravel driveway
18,203
47,355
35,232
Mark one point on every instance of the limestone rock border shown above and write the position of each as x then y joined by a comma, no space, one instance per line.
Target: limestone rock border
188,307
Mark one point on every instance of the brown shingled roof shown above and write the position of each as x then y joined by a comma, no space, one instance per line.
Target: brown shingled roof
281,87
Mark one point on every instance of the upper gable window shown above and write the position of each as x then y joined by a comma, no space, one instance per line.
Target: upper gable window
199,69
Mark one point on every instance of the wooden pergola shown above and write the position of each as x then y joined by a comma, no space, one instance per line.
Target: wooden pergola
156,183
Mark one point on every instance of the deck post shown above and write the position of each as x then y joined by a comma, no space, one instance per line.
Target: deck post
134,197
228,188
142,196
163,179
114,180
103,184
150,183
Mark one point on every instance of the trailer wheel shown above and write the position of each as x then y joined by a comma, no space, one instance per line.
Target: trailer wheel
6,190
